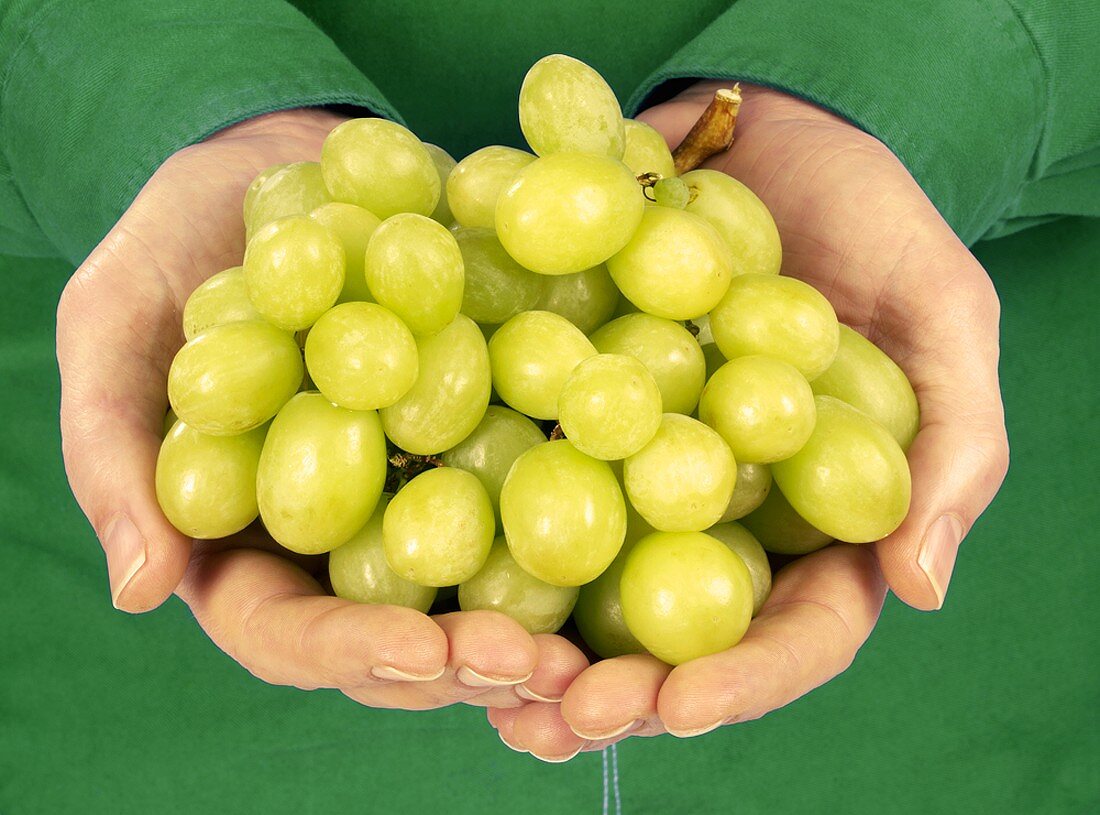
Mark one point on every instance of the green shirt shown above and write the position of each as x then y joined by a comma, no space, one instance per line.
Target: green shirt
987,706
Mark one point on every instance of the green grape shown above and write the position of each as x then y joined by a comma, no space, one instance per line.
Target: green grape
599,611
782,530
353,226
702,325
610,406
674,266
666,348
450,394
683,479
713,357
414,268
170,420
743,544
444,163
779,317
220,299
563,513
867,379
234,377
685,595
476,182
586,299
380,166
501,585
671,192
647,151
358,570
293,189
531,356
568,212
493,446
437,531
206,485
754,481
254,188
497,287
740,218
321,473
566,106
294,270
761,406
851,479
361,356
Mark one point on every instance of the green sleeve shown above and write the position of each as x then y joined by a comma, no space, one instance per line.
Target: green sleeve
993,105
94,96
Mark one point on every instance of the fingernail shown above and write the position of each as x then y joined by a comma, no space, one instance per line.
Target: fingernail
391,674
523,692
938,551
610,734
125,549
509,744
559,759
687,734
473,679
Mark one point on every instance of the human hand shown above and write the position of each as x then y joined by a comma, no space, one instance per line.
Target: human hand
118,327
857,227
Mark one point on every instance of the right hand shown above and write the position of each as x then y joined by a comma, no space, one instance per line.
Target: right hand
118,327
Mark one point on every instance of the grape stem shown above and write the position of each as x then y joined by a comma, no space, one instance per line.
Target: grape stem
557,433
406,466
712,133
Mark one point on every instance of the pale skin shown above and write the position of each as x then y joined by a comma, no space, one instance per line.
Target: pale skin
854,224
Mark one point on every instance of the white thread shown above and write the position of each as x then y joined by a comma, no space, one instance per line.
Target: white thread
603,753
615,778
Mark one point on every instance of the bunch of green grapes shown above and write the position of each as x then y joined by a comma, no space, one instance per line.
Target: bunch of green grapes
568,381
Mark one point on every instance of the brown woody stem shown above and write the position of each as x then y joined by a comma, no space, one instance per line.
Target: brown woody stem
712,133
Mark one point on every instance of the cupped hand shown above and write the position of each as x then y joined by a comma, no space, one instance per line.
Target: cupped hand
118,327
855,225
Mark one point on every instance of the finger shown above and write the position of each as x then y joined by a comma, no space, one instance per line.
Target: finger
614,697
821,610
114,364
273,619
540,729
559,662
503,721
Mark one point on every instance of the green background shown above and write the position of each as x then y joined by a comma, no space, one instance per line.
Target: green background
987,706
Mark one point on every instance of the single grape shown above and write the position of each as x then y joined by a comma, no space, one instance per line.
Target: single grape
610,406
647,151
675,265
761,406
685,595
683,479
358,570
501,585
741,219
867,379
353,226
206,485
254,189
782,530
234,377
380,166
321,473
671,192
599,612
444,163
531,356
220,299
743,544
493,446
563,513
568,212
754,481
586,299
566,106
668,351
779,317
293,189
703,334
361,356
496,287
294,270
438,529
851,479
475,183
450,394
414,268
